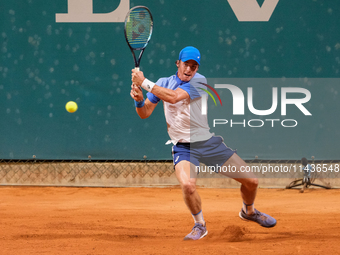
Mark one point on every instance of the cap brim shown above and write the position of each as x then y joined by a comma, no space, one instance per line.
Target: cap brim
186,59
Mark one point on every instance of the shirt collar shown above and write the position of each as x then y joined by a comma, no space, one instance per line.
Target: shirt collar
179,81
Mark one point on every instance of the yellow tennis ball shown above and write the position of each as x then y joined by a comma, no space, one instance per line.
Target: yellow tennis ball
71,106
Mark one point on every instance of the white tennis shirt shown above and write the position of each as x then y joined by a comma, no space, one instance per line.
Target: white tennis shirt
185,120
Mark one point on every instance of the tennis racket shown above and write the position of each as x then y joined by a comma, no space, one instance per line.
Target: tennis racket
138,30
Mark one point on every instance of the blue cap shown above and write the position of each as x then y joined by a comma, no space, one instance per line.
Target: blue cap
189,53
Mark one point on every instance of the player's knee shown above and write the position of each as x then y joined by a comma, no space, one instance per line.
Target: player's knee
188,188
252,183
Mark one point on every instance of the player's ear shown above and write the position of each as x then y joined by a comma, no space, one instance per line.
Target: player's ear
177,63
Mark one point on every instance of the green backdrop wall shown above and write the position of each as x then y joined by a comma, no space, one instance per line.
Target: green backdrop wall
44,64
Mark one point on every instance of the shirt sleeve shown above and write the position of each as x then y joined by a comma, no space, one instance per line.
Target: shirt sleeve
194,87
154,99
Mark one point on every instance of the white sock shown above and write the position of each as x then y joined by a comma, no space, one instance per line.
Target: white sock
248,209
199,218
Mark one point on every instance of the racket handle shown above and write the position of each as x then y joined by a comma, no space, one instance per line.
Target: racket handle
137,69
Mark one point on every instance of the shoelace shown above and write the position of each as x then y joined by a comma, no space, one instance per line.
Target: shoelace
259,214
199,226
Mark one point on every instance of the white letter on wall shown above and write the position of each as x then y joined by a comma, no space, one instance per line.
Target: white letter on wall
250,10
80,11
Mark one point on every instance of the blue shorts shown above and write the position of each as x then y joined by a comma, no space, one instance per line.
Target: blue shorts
210,152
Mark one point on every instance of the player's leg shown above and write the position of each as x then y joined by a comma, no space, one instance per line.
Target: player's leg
249,184
188,186
248,181
186,175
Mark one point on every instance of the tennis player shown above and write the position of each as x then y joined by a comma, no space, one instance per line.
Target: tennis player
193,143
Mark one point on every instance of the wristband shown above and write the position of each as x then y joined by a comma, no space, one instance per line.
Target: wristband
139,104
147,85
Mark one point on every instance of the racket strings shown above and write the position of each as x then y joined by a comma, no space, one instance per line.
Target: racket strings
139,28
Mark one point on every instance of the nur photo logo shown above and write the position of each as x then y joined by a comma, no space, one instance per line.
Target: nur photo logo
204,97
282,98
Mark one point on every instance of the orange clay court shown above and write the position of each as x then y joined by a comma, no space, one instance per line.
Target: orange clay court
58,220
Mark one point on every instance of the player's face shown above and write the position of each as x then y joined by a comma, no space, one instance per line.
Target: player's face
187,69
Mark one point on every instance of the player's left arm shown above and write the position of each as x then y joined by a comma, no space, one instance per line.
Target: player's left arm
167,95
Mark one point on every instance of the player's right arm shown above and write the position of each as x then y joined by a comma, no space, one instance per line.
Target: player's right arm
143,111
146,110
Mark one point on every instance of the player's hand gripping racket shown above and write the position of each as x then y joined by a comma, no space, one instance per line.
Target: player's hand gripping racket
138,30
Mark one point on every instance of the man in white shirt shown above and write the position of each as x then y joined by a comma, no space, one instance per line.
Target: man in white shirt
193,143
